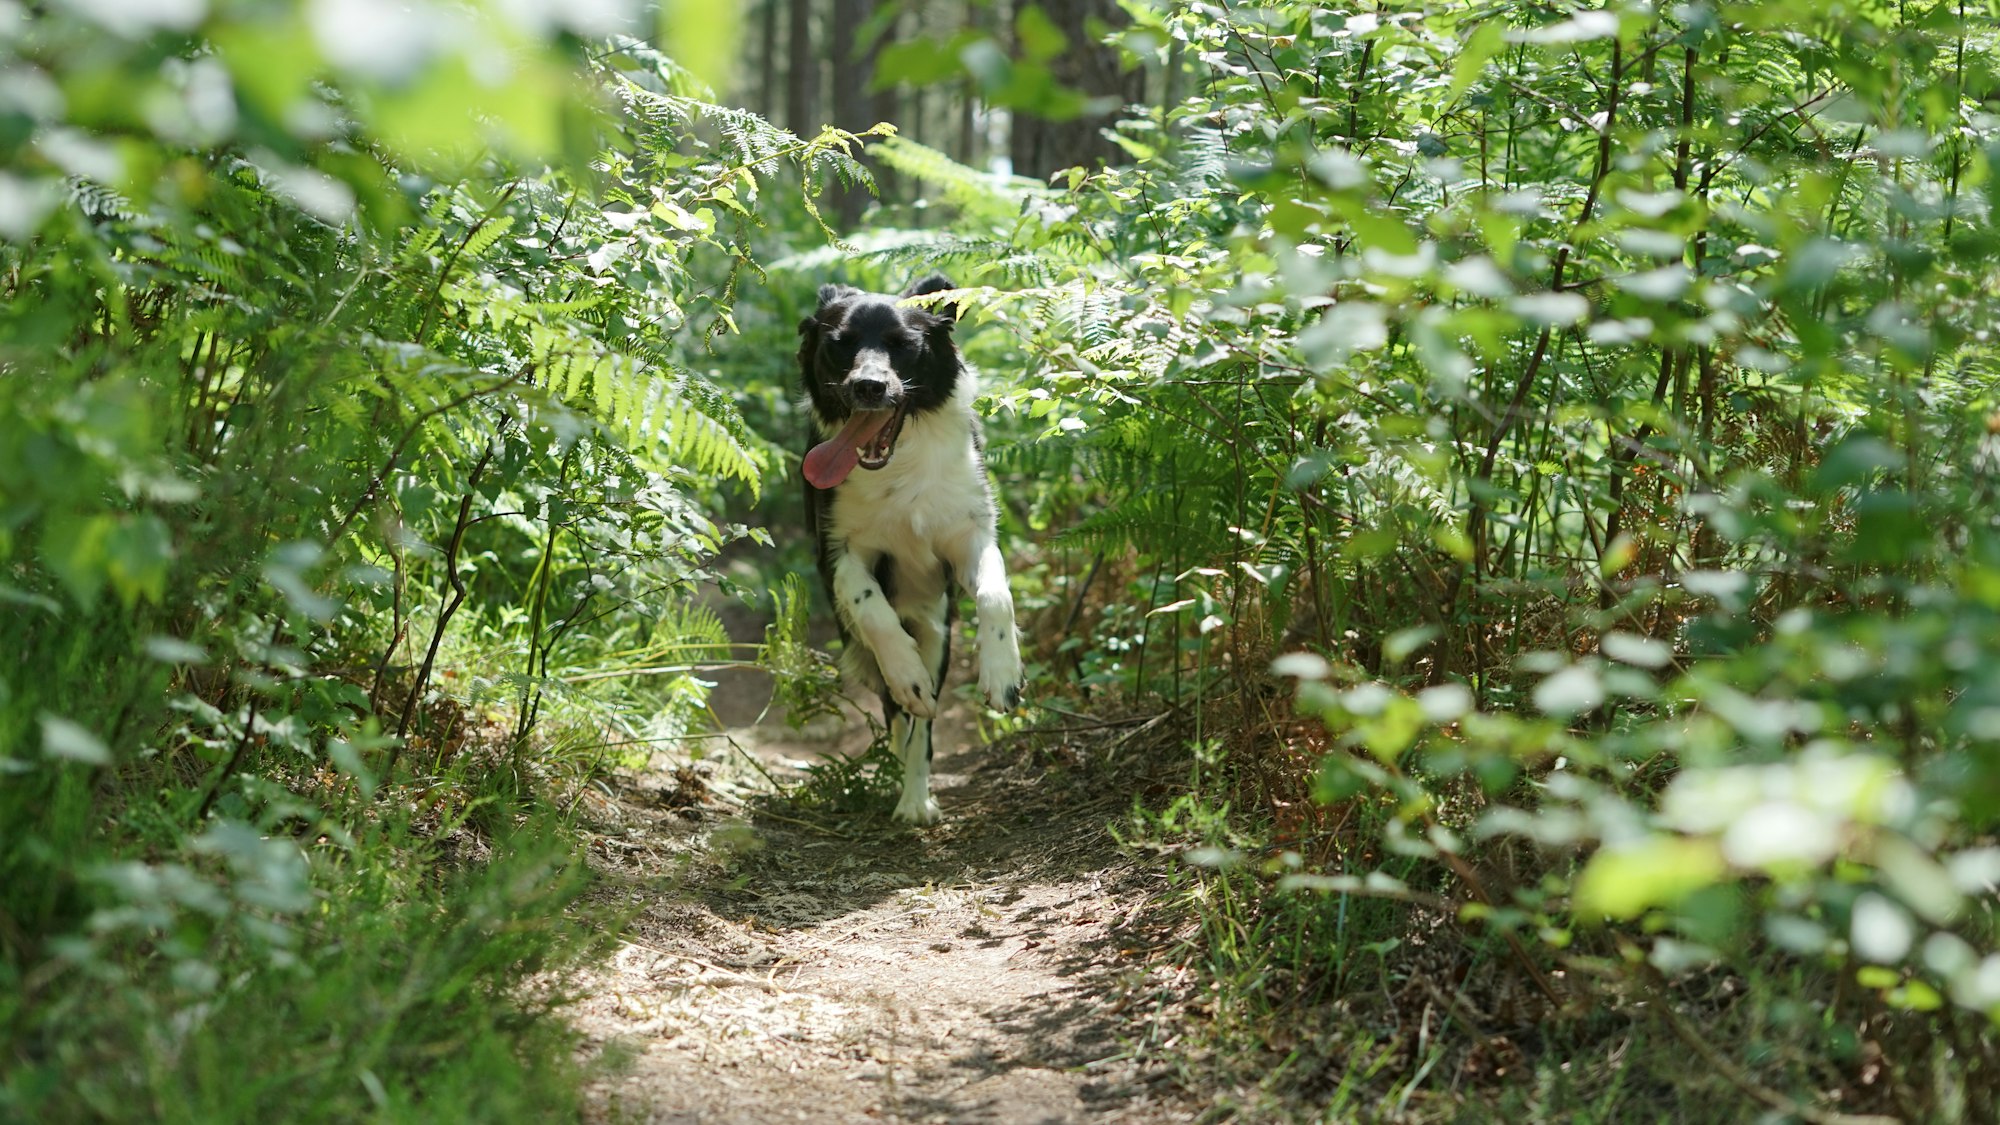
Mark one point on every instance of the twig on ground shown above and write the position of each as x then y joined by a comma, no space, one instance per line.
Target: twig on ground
1137,731
1455,1003
754,763
1740,1078
711,974
1044,705
820,828
1080,728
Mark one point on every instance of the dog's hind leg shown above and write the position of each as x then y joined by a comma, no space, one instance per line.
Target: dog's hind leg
910,735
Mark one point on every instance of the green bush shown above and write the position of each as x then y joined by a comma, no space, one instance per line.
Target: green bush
1599,406
349,434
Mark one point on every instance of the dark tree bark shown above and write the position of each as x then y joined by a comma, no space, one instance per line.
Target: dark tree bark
1040,147
801,71
767,58
1173,83
918,123
851,104
968,149
885,104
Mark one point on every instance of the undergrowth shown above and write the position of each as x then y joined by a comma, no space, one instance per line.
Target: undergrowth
406,969
1540,459
1546,456
355,489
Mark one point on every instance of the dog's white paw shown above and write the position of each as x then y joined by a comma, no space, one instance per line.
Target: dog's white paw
1000,674
915,809
910,683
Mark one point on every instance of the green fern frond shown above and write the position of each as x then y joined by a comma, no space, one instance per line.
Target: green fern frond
688,630
981,196
704,442
483,239
807,683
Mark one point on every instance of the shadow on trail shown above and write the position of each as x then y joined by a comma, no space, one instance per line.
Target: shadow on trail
982,970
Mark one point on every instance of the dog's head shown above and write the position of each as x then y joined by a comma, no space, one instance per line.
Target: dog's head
869,363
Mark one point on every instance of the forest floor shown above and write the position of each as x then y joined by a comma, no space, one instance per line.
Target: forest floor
787,963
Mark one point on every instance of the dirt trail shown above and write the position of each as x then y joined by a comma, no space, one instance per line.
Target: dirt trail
788,964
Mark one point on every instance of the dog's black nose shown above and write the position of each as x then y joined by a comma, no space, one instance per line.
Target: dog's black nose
868,394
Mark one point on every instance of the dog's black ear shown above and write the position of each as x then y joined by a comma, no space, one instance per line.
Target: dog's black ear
935,283
809,330
829,293
808,344
810,327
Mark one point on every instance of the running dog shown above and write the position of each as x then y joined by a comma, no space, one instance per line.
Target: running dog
889,396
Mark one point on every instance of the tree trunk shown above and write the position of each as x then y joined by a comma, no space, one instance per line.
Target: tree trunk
801,72
916,126
884,104
851,108
767,57
1040,147
968,150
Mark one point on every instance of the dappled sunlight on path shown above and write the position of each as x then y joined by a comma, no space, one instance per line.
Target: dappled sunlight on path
787,964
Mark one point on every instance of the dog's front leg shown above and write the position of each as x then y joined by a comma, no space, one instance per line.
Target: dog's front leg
859,598
999,644
910,738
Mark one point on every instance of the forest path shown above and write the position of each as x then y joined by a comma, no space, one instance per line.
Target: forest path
786,963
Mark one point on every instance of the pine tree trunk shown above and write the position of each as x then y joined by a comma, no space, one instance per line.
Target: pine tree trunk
767,57
850,99
968,149
1040,147
917,127
801,71
885,104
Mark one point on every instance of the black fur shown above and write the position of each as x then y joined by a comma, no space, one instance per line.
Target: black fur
848,325
908,516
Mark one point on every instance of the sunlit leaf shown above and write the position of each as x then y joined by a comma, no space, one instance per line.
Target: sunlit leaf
1642,652
1553,309
1623,882
1573,690
1882,931
1301,665
70,741
704,38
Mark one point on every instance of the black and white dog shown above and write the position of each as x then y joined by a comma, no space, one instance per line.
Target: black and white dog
890,396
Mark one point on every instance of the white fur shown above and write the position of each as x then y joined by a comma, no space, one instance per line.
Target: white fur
913,743
874,622
927,509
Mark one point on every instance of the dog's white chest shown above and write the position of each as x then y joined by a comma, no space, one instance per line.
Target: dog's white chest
924,502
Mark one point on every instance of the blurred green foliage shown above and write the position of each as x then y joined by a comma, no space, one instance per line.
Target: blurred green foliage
1593,411
349,433
1601,403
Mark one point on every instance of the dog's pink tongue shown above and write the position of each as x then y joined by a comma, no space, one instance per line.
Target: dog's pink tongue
830,461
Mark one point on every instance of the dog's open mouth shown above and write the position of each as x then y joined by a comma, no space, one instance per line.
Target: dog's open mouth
875,454
868,440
